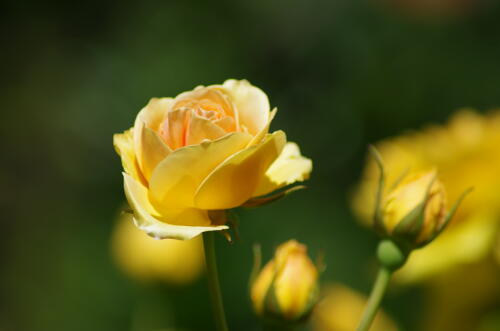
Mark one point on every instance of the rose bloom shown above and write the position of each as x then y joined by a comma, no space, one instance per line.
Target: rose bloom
465,152
188,158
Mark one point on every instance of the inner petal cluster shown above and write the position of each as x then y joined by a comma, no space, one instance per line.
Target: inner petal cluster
205,113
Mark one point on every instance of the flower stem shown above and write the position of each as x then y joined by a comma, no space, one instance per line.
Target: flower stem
213,282
383,277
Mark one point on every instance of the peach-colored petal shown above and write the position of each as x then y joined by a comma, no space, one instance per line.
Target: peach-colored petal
174,128
251,103
236,179
227,123
200,129
175,180
147,218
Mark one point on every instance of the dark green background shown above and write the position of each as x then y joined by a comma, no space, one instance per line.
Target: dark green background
342,73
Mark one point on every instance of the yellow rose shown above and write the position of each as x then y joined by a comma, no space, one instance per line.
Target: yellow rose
190,157
341,309
144,258
286,288
412,191
465,151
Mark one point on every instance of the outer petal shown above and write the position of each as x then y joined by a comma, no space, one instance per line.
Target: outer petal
201,129
150,117
262,133
289,167
251,102
176,178
153,151
235,180
124,146
146,217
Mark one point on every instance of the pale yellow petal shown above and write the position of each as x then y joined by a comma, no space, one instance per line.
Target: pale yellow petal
236,179
176,178
200,129
124,146
154,150
251,103
146,216
262,133
289,167
150,117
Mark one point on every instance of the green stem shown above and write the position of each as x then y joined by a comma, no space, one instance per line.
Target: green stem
213,282
383,277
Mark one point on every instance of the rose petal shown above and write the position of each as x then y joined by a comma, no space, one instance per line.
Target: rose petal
173,129
289,167
227,123
200,129
151,117
262,133
235,180
124,146
175,180
145,216
153,149
251,103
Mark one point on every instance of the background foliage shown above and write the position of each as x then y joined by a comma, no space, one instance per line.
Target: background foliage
342,74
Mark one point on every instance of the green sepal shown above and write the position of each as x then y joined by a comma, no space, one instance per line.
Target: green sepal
320,261
411,225
256,267
448,217
392,255
276,195
378,221
271,305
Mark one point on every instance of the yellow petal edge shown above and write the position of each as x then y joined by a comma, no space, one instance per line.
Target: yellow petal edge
137,196
289,167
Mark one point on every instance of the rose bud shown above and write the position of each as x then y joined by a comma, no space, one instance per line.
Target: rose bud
415,209
286,289
411,215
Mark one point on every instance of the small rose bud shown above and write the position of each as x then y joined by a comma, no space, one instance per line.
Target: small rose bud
286,288
415,209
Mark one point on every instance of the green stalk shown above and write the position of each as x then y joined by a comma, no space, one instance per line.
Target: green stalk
213,282
383,277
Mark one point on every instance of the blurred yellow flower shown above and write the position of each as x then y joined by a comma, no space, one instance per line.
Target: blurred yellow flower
206,150
286,288
461,300
466,153
341,309
144,258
